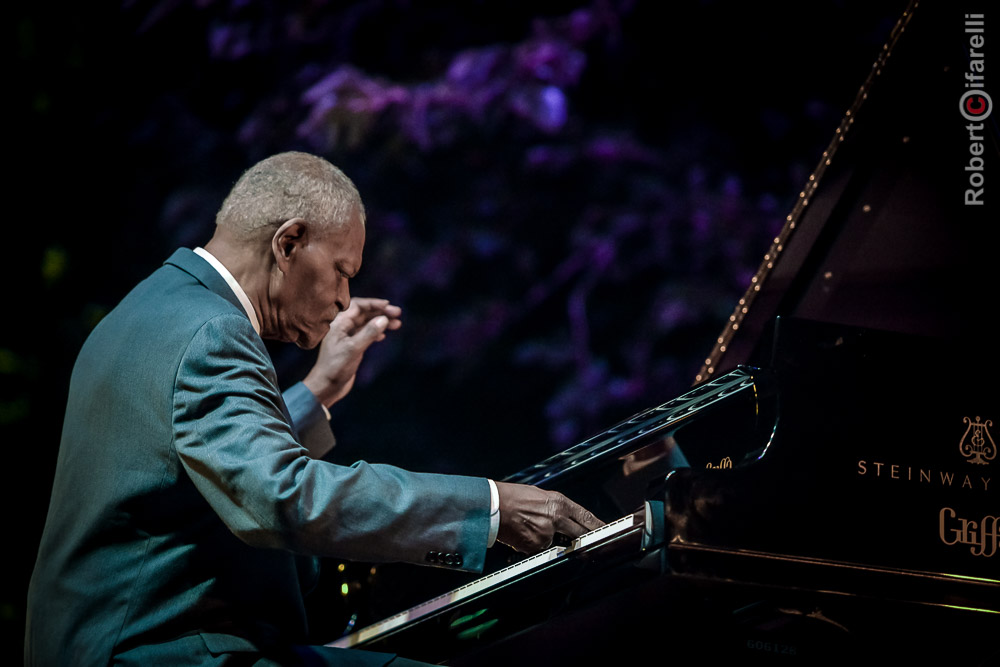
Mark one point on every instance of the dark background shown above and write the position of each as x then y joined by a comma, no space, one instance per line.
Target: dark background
566,198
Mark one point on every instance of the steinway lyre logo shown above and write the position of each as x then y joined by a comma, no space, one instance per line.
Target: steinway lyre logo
977,444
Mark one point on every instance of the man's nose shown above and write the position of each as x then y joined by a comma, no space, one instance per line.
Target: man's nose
343,296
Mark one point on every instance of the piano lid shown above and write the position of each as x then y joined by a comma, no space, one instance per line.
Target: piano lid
881,236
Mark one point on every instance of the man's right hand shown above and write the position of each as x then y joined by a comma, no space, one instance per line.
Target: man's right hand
530,517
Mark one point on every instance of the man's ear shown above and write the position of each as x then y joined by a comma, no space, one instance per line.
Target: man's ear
290,237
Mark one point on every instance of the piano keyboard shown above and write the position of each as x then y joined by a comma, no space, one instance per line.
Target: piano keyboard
488,582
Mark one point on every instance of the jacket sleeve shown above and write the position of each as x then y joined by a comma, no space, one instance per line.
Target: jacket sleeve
233,439
309,421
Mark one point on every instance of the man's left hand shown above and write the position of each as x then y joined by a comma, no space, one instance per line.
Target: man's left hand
365,321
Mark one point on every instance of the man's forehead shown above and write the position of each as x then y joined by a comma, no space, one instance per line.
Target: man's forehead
347,242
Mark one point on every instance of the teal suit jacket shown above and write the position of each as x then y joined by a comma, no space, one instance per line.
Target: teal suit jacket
183,501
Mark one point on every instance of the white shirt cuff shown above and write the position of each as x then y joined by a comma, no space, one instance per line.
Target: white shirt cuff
494,514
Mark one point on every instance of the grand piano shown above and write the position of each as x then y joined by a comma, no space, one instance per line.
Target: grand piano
828,488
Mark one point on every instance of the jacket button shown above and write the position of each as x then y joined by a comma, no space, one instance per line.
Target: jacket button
432,557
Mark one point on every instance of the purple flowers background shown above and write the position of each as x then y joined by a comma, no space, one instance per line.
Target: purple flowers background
566,198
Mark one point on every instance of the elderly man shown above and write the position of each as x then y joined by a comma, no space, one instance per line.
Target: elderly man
189,495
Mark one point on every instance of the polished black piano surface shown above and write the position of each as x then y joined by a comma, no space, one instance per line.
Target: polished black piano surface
828,488
840,501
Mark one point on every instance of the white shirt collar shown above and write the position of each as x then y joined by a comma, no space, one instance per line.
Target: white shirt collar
235,286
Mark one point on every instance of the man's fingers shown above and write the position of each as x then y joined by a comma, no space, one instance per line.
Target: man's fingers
529,517
583,517
369,308
362,311
371,332
365,303
572,520
352,332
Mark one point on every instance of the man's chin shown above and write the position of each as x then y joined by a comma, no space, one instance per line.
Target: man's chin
298,338
306,341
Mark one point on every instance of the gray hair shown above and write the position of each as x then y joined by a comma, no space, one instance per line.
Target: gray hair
285,186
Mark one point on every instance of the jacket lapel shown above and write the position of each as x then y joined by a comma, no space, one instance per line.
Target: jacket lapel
189,262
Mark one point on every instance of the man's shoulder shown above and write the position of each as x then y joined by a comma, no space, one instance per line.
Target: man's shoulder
175,292
169,305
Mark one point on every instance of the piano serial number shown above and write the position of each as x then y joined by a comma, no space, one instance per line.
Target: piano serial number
770,647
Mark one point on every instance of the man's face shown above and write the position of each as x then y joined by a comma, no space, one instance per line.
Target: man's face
314,287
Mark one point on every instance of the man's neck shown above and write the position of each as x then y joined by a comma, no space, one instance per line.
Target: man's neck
252,270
